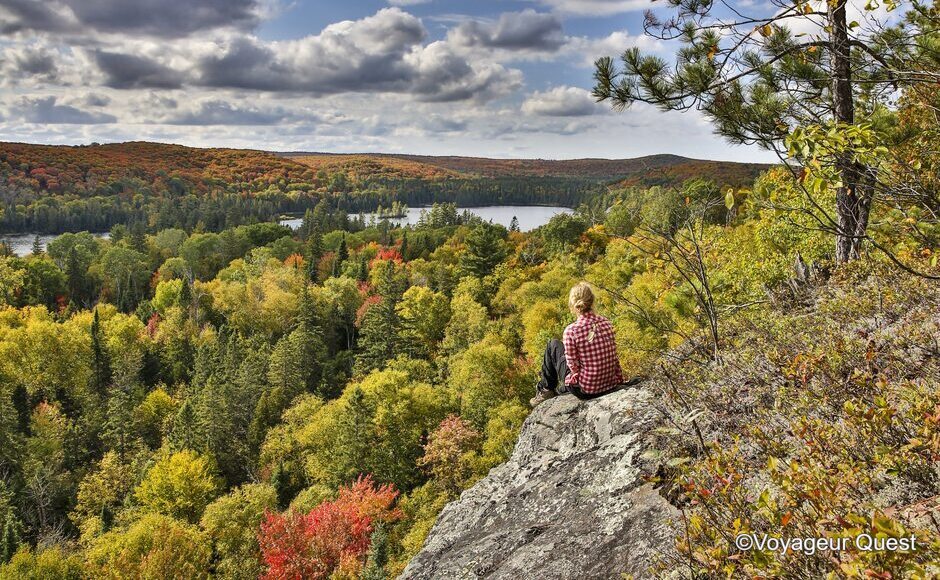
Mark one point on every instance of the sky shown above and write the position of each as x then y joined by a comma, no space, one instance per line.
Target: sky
489,78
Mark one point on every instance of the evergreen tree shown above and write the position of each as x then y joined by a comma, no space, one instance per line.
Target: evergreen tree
285,370
76,277
100,362
321,216
281,482
37,246
229,246
138,238
384,228
342,254
404,247
309,335
760,81
514,224
186,294
266,415
185,433
381,326
363,274
307,225
107,517
485,249
356,438
10,538
378,555
10,434
226,405
119,421
119,424
314,252
118,233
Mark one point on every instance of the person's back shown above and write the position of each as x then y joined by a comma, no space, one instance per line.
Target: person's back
591,354
586,361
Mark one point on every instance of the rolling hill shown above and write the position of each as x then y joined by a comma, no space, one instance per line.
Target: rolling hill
54,188
100,169
631,171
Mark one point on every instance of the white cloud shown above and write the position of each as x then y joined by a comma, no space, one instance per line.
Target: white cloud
517,31
590,49
597,7
374,83
148,17
561,102
381,53
45,110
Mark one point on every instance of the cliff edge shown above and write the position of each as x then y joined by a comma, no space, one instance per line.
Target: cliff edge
571,501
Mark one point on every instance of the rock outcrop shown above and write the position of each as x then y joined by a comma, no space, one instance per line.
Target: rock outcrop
571,502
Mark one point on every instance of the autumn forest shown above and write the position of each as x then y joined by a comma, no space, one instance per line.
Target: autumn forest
208,393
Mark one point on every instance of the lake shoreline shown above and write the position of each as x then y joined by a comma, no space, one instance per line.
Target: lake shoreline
529,217
300,214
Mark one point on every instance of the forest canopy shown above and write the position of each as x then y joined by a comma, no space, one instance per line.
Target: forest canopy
210,394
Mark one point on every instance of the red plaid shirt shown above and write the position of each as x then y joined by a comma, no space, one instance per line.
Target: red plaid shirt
591,353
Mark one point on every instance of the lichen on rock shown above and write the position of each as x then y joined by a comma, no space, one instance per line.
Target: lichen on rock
571,502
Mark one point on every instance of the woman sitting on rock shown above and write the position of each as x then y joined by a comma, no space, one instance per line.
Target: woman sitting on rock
587,357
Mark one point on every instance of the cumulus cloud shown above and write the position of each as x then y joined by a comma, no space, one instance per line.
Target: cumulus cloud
45,110
37,62
96,100
344,56
379,53
614,44
443,76
597,7
527,30
220,112
200,72
561,102
128,71
438,124
149,17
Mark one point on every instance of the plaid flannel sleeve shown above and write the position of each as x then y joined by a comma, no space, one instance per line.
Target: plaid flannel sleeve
572,356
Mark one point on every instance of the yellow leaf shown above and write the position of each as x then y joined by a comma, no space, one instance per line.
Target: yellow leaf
766,30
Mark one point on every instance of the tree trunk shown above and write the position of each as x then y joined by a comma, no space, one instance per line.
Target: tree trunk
853,199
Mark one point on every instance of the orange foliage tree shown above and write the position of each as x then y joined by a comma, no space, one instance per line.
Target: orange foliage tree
333,536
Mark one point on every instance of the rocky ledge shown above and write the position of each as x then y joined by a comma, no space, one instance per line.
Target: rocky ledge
571,502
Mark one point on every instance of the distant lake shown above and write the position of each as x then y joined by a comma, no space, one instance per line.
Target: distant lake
22,244
530,216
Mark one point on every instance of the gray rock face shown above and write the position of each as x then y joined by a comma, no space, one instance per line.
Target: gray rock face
570,502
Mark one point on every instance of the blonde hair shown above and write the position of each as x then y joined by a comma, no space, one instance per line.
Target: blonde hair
581,298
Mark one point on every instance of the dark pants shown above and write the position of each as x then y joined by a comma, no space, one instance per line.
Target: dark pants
554,371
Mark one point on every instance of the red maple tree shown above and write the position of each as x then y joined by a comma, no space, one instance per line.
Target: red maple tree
334,534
